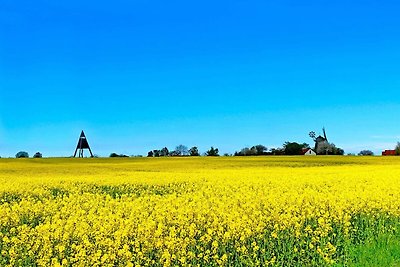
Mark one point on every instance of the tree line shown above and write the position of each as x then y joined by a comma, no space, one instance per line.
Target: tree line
288,148
182,151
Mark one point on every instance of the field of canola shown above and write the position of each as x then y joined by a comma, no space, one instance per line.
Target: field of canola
256,211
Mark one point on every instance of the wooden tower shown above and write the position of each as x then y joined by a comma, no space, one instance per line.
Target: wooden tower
82,144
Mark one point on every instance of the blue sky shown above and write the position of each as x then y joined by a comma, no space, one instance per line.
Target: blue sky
141,75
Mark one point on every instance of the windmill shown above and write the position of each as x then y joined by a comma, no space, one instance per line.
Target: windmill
320,141
82,144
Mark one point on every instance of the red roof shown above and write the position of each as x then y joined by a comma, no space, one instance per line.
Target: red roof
304,150
389,153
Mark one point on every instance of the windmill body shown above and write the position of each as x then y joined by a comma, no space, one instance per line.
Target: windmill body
82,144
321,141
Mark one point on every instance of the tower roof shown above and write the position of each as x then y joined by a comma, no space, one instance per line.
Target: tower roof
82,142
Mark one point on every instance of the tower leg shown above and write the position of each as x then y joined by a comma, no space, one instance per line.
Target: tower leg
91,154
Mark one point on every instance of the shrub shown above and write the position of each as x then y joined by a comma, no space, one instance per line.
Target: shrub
213,152
366,153
38,155
115,155
22,154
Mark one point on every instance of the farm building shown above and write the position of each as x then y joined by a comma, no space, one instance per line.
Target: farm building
389,153
309,152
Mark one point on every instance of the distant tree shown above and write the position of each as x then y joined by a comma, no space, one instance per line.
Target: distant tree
194,152
164,152
277,151
213,152
293,148
397,148
329,149
336,150
156,153
182,150
260,149
242,152
115,155
324,149
227,155
248,151
253,151
174,153
22,154
38,155
150,154
366,153
340,152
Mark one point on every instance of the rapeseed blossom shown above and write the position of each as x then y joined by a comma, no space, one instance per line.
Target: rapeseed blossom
193,211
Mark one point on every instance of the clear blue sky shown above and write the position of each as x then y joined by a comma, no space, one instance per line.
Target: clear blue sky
141,75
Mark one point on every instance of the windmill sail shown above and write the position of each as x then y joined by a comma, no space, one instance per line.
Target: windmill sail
326,139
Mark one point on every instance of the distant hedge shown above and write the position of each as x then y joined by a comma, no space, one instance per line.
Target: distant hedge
22,154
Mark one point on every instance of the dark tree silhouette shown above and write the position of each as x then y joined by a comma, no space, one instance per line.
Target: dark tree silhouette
260,149
397,148
213,152
366,153
156,153
194,151
164,152
173,153
22,154
115,155
277,151
253,151
293,148
38,155
182,150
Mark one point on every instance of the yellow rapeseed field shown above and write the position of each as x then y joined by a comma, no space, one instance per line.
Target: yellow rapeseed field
245,211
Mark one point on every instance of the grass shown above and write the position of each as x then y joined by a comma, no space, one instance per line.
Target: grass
382,250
